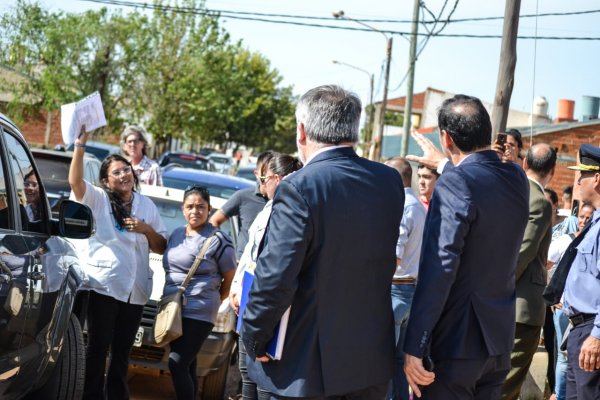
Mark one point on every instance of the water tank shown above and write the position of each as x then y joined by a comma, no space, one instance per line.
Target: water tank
589,107
566,110
540,106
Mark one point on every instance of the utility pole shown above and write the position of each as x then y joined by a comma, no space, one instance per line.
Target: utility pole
411,79
378,141
506,68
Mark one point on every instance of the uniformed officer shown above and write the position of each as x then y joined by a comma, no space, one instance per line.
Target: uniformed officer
582,290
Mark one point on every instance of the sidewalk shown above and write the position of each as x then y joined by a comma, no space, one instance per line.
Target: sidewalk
535,383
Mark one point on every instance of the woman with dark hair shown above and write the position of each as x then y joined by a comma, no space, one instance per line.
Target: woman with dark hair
32,196
272,173
134,143
207,289
128,227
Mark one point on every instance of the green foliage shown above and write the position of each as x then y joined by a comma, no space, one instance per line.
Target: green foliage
394,118
177,73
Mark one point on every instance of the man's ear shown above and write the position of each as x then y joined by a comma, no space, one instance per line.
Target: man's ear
301,134
446,140
525,167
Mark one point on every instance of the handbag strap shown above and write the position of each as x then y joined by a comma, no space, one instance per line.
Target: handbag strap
197,261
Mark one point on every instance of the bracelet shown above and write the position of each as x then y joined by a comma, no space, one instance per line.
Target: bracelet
79,145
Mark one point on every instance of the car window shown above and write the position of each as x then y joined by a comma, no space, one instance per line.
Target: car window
31,204
214,190
186,161
55,170
172,216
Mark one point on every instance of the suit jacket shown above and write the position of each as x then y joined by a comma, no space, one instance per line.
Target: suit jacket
464,303
531,265
329,252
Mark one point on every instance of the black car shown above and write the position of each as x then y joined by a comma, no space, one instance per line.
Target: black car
54,168
186,160
41,342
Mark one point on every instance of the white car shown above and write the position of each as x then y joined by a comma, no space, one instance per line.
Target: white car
216,353
222,162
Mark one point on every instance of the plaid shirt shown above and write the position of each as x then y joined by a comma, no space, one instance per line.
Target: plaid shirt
148,172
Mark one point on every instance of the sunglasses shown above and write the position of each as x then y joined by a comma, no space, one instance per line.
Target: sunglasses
195,188
265,179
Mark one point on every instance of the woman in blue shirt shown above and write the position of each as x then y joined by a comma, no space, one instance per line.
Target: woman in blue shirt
207,289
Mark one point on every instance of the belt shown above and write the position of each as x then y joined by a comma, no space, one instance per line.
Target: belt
404,281
581,318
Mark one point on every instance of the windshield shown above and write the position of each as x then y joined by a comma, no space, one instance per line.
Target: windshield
188,161
172,216
214,190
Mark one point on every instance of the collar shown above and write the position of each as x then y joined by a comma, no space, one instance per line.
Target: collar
325,149
539,184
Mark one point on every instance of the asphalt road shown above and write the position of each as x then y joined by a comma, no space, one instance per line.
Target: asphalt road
153,385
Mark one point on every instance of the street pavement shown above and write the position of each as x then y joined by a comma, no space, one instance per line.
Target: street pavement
151,385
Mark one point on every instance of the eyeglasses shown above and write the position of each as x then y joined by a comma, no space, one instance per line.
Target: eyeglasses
117,173
265,179
133,141
31,185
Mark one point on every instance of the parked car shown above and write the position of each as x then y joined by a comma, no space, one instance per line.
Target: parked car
186,160
100,150
247,172
216,353
218,185
41,342
223,163
54,168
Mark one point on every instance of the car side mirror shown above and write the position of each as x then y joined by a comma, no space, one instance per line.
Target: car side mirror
76,220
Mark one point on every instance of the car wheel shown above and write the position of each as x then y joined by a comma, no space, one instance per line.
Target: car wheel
67,378
213,387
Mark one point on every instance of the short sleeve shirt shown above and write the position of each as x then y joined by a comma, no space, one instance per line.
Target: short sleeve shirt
148,172
118,261
202,294
246,204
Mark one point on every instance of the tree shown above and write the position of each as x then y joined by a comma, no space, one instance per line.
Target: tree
176,72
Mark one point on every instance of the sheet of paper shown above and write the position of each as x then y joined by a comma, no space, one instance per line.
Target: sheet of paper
88,112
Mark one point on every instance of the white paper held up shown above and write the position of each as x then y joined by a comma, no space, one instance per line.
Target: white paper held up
73,116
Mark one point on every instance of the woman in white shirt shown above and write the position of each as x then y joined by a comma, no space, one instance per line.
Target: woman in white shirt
128,227
134,144
278,167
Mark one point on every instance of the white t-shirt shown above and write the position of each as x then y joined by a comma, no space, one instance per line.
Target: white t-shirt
558,247
117,260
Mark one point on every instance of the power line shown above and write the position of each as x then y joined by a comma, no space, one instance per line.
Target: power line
212,13
381,20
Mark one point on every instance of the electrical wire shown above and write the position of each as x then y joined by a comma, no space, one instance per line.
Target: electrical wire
215,14
382,20
533,80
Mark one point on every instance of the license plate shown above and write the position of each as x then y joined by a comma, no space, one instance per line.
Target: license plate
138,337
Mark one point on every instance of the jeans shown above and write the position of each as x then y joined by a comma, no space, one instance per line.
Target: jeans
560,325
182,359
111,324
248,386
402,295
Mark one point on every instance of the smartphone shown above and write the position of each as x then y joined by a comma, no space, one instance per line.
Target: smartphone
501,140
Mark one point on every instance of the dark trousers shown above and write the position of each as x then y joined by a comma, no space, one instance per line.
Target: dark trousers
248,386
376,392
527,339
468,379
550,346
111,324
581,385
182,359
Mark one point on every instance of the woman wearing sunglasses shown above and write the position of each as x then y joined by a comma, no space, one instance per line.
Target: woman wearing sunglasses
127,228
272,173
208,287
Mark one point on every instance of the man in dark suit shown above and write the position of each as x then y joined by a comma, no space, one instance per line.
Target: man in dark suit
531,268
329,253
463,312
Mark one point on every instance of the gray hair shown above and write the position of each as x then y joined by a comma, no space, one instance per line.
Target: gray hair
139,132
330,114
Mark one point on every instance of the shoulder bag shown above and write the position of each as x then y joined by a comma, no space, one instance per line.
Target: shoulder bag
167,324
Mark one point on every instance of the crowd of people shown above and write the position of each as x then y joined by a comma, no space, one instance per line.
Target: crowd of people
393,294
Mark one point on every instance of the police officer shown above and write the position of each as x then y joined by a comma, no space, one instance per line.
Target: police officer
582,290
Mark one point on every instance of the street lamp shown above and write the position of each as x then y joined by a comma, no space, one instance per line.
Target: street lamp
369,129
375,151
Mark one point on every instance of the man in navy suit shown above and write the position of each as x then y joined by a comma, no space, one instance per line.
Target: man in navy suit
462,319
329,253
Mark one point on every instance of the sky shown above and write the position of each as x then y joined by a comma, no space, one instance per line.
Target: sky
555,69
